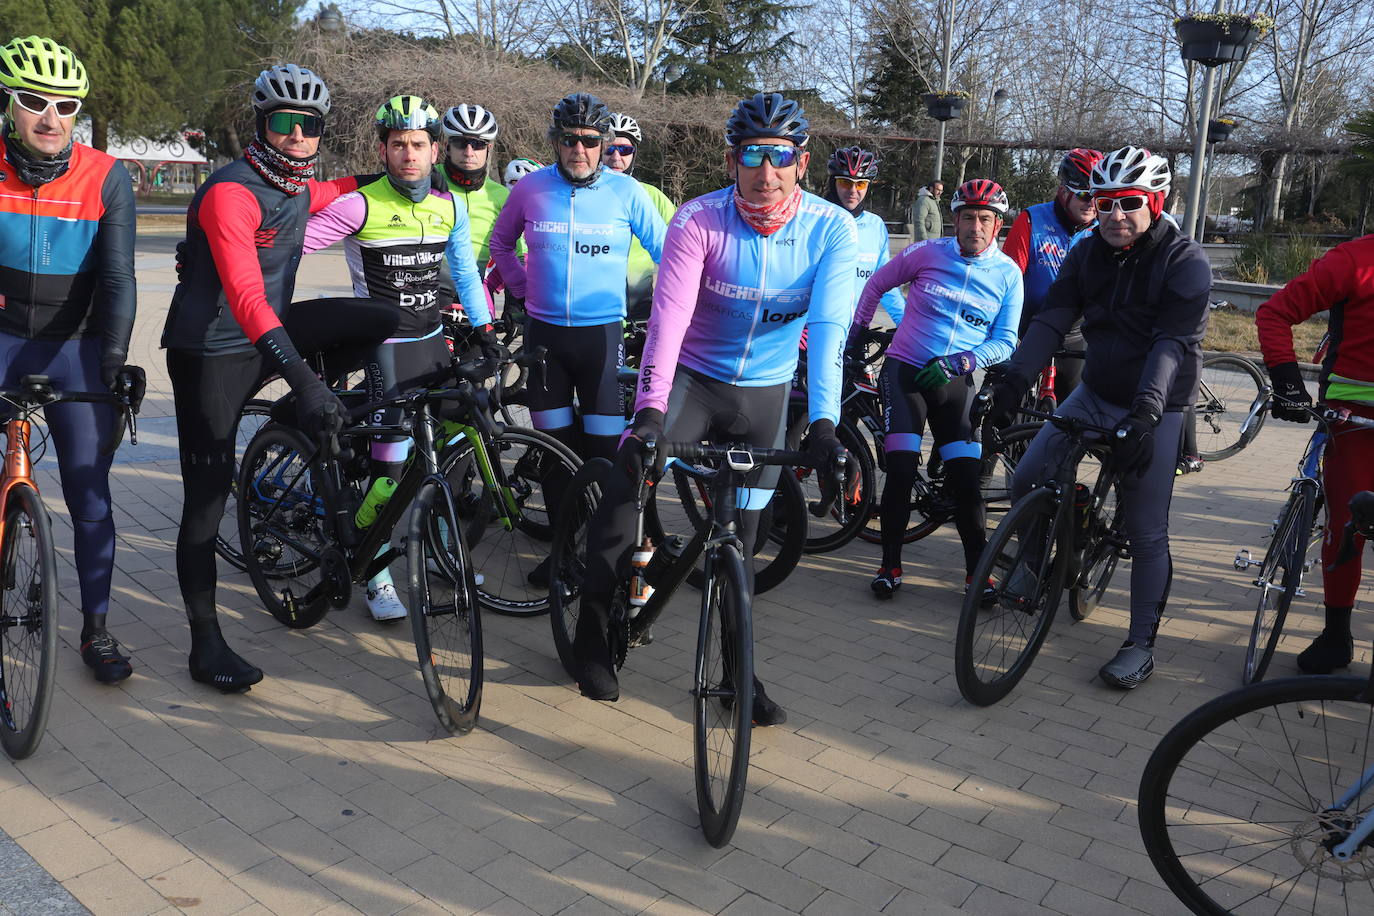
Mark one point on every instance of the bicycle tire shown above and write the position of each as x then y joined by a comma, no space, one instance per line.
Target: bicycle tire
1250,844
273,475
1101,555
535,470
723,695
1288,552
255,414
445,615
28,621
781,533
841,524
1229,388
1033,523
568,557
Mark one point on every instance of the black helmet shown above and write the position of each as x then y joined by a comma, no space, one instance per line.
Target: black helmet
853,162
767,114
581,109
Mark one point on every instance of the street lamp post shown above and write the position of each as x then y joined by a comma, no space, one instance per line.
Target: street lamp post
944,86
331,20
998,97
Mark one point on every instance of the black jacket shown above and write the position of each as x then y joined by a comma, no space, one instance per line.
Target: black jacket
1144,311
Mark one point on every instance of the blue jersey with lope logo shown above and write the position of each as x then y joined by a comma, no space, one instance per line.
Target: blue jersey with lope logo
874,252
578,242
954,304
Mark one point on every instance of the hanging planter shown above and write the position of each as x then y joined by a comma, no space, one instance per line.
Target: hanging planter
1219,129
945,106
1212,39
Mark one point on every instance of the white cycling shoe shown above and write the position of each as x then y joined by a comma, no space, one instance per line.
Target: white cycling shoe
385,604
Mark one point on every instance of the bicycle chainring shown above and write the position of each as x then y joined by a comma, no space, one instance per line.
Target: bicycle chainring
336,577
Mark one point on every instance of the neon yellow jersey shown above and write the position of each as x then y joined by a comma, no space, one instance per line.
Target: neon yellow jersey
639,266
483,206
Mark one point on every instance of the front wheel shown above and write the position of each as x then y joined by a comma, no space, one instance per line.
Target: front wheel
444,613
1245,804
28,621
1230,390
1101,544
1280,576
1026,558
723,695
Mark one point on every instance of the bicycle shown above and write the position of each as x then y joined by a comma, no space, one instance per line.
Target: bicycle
28,558
1262,800
1295,542
297,507
723,669
1228,414
1062,534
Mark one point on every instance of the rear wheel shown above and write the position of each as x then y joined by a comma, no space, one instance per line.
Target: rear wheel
846,517
1231,387
1102,545
28,621
1026,558
255,415
1280,577
444,615
723,695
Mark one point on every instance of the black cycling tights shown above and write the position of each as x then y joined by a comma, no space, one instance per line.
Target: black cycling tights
210,390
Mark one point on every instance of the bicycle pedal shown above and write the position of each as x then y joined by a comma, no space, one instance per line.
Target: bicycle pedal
1243,560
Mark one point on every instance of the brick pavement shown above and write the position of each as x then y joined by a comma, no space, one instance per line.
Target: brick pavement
328,788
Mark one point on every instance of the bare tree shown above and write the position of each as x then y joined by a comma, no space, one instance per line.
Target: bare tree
636,33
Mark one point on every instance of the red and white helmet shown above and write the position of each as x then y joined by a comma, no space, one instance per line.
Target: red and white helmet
980,192
1076,168
1132,168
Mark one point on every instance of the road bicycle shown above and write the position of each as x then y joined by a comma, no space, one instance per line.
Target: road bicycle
297,508
28,559
723,669
1294,545
1228,413
1262,801
1065,533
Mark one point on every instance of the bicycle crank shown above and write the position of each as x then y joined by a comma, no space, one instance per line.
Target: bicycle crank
335,577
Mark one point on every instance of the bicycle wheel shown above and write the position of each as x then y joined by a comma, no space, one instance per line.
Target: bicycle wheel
1103,543
782,524
723,695
1026,557
28,621
508,527
283,501
1280,577
256,413
1241,806
444,612
568,556
1230,386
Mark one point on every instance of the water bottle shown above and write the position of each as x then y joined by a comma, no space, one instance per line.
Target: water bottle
376,497
640,590
664,557
1082,503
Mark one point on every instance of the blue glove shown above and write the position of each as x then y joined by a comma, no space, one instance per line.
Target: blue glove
942,370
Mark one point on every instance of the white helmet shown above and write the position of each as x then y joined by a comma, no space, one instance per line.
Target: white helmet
624,124
1131,167
470,121
517,169
290,86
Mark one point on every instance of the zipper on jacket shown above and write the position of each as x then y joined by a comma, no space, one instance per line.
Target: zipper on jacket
572,221
33,264
758,309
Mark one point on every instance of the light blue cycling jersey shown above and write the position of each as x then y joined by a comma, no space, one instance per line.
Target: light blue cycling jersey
731,303
874,252
578,241
955,303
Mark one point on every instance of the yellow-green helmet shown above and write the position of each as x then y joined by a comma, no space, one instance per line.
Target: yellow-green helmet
408,112
42,65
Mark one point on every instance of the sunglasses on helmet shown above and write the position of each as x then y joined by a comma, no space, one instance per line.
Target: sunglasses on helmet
851,184
588,141
470,142
283,122
753,154
620,149
37,104
1127,204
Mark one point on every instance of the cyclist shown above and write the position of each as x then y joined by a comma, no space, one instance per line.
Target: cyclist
1342,282
232,325
744,268
961,313
619,156
1140,287
471,130
398,228
1038,240
67,298
517,169
851,170
577,219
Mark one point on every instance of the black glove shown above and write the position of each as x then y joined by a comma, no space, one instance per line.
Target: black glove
312,396
1290,394
1007,389
183,250
515,307
1133,441
646,427
133,381
487,343
827,453
111,362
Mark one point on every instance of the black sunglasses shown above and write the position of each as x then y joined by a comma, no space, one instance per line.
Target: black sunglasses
588,141
470,142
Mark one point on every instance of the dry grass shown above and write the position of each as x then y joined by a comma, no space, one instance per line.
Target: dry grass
161,223
1233,331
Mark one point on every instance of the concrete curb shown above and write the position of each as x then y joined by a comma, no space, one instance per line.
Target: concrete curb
26,889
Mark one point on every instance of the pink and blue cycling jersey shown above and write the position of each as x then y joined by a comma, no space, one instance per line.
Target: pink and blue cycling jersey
955,303
574,230
731,303
874,246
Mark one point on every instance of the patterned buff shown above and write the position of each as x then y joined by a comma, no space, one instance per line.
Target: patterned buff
285,173
765,219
